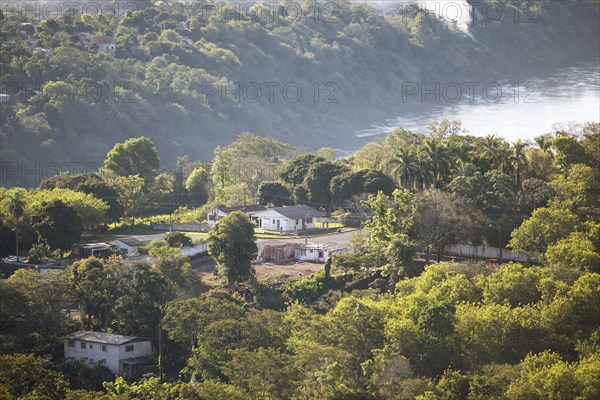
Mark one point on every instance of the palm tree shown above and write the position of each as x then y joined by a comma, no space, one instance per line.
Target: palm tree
438,154
518,159
16,208
496,151
423,172
465,168
544,142
404,168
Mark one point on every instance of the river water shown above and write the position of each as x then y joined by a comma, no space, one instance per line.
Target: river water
514,110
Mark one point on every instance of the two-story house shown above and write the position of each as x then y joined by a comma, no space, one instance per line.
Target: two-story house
123,355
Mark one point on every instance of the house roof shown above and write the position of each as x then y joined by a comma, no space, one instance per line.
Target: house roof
296,212
250,208
130,242
93,245
139,240
102,40
104,338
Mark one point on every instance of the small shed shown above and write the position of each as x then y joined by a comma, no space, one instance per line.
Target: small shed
318,252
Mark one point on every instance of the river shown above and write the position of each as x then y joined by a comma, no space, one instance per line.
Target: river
514,110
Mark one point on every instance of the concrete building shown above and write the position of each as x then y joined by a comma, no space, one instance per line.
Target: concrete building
123,355
131,245
288,219
318,252
217,214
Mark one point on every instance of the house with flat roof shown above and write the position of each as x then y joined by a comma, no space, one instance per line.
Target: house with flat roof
217,214
288,219
123,355
85,250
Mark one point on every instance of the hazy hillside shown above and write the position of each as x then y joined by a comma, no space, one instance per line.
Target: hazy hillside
191,77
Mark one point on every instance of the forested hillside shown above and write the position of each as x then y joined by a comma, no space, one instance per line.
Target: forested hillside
191,77
385,320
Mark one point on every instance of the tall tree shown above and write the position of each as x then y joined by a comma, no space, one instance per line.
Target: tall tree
442,219
58,225
232,244
274,193
134,157
519,159
317,181
294,171
16,208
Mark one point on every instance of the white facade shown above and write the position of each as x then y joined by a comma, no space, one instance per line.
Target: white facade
213,216
126,248
317,253
110,354
131,245
107,48
271,220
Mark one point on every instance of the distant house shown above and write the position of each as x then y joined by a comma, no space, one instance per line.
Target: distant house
317,252
288,219
123,355
131,245
104,43
217,214
86,250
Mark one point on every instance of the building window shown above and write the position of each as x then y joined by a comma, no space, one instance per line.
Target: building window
129,348
103,362
82,345
297,221
91,346
104,347
71,343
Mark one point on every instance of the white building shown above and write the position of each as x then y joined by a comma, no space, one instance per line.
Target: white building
217,214
105,44
318,252
288,219
131,245
79,251
123,355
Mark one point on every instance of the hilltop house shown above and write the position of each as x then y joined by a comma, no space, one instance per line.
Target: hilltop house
213,216
123,355
104,43
288,219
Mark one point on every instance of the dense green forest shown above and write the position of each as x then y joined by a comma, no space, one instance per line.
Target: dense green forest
176,64
375,323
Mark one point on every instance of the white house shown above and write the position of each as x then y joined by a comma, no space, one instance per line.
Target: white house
123,355
85,250
318,252
217,214
105,44
288,219
131,245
